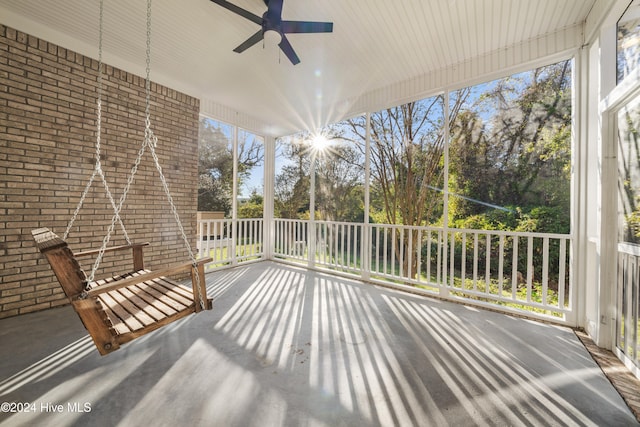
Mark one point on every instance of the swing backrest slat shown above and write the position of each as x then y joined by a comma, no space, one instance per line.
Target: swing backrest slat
65,266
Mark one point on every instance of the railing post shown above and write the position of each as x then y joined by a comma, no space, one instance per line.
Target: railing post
444,245
199,247
232,243
365,252
311,232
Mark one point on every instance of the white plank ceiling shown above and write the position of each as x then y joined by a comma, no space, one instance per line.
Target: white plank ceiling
380,52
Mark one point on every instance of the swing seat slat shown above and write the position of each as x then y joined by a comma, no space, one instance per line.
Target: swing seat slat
119,309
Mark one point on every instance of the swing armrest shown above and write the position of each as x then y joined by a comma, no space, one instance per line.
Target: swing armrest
136,253
178,268
111,249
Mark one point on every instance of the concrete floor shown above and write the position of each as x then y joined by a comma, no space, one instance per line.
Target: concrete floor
288,347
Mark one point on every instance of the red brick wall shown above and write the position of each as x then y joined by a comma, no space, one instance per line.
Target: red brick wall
47,153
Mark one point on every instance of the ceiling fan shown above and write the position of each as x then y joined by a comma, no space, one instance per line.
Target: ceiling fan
272,21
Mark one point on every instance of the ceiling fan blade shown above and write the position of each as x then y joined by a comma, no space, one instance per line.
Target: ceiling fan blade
288,50
306,27
240,11
250,42
274,8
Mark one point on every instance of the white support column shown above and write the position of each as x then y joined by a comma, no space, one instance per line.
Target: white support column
607,221
579,153
444,290
268,229
592,192
234,208
608,238
311,231
365,250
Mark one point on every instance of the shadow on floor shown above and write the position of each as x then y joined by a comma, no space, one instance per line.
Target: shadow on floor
288,347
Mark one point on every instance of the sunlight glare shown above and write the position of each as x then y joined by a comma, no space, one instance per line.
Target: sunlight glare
319,144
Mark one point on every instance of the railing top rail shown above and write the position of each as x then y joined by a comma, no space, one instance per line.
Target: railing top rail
290,220
230,220
440,229
511,233
408,227
629,248
351,223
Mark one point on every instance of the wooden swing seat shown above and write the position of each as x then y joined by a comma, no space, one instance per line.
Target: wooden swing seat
122,308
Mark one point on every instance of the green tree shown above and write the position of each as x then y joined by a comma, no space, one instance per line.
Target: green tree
629,176
252,208
215,164
510,158
291,187
215,168
407,144
511,147
339,182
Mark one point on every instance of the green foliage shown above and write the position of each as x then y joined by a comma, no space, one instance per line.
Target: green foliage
292,182
633,226
377,216
545,219
539,219
339,183
512,145
215,169
215,164
628,175
292,193
252,208
494,288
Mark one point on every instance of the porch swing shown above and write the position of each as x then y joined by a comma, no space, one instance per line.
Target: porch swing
119,309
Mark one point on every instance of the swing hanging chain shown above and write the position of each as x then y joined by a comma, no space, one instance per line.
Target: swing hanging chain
98,167
116,215
152,141
147,82
130,179
99,132
174,210
80,203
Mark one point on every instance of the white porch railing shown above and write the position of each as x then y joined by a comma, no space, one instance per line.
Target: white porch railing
510,271
291,239
230,241
529,271
628,306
